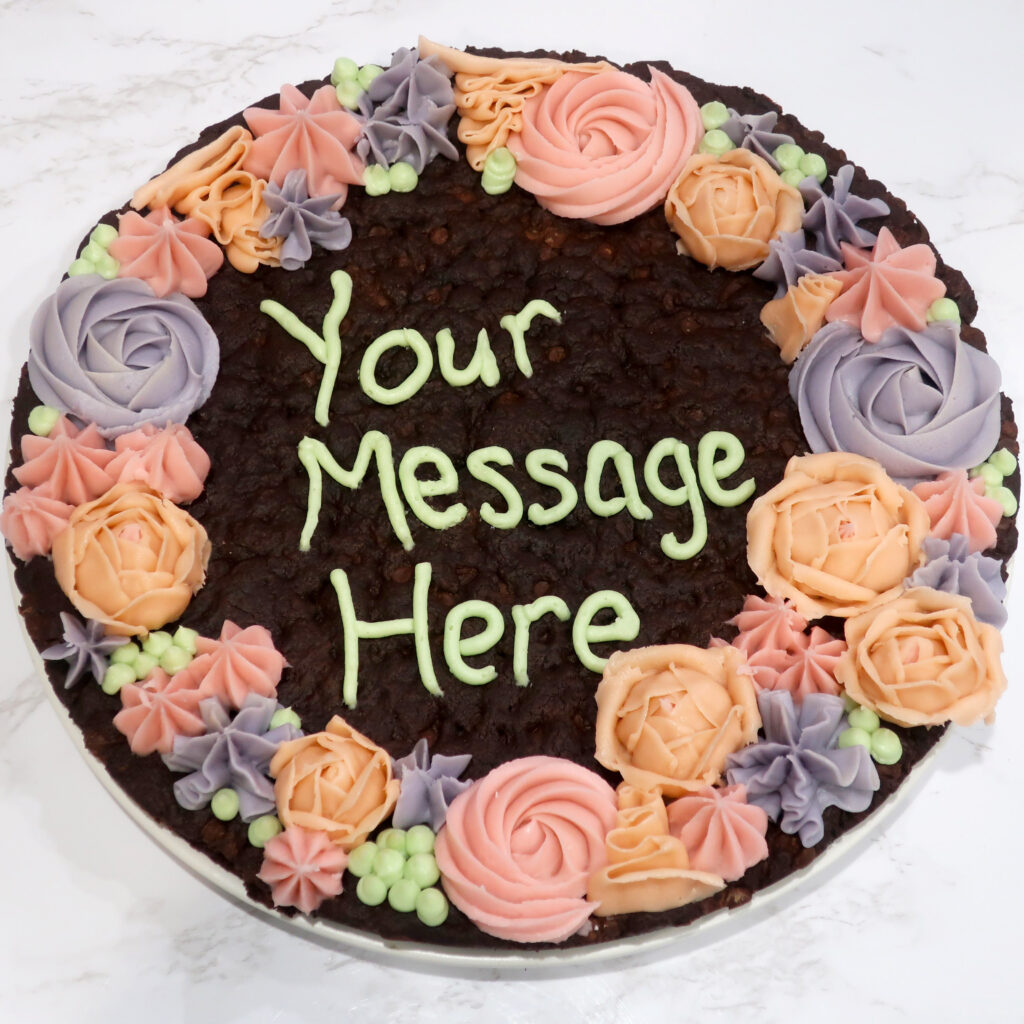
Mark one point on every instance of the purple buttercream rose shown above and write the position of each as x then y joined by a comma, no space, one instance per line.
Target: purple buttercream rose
797,770
918,402
405,113
954,569
233,752
113,354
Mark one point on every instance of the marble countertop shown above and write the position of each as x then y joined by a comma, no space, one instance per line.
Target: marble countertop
98,924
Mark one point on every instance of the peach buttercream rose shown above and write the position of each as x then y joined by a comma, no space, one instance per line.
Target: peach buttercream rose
131,559
923,659
727,209
668,716
336,781
836,535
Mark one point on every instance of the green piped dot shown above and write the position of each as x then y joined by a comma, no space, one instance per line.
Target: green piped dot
371,891
174,659
849,703
392,839
224,805
367,73
863,718
886,747
403,177
117,676
714,115
144,664
103,235
93,253
499,171
793,177
854,738
376,180
185,638
157,643
432,907
403,895
1005,498
813,166
360,860
107,267
80,267
263,829
345,70
943,309
419,839
126,654
1003,460
789,155
348,94
43,418
988,473
388,865
422,869
285,716
716,142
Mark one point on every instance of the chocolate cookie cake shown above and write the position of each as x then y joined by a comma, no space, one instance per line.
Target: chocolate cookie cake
509,498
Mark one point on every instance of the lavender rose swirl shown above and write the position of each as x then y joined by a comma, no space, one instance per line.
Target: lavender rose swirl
112,353
918,402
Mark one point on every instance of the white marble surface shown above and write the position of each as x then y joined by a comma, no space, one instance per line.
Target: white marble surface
98,924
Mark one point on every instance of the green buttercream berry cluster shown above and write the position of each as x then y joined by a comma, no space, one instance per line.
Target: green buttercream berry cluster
399,177
715,141
350,80
865,731
94,258
129,663
400,867
999,464
797,164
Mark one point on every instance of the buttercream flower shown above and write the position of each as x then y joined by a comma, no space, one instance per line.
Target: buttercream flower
336,781
836,535
518,847
923,659
131,559
669,716
30,522
302,869
727,209
605,147
791,321
112,353
168,459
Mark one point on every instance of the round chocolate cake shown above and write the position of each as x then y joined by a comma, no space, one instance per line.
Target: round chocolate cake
365,502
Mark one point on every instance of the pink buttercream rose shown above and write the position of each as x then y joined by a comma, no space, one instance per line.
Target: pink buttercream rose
605,147
668,716
519,846
923,659
131,559
727,209
336,781
835,535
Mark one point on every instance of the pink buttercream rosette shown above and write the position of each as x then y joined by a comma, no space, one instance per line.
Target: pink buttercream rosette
71,465
518,847
157,710
168,459
302,868
605,147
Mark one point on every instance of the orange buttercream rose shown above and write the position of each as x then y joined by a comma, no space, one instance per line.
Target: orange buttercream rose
668,716
131,559
336,781
836,535
923,659
727,209
794,318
